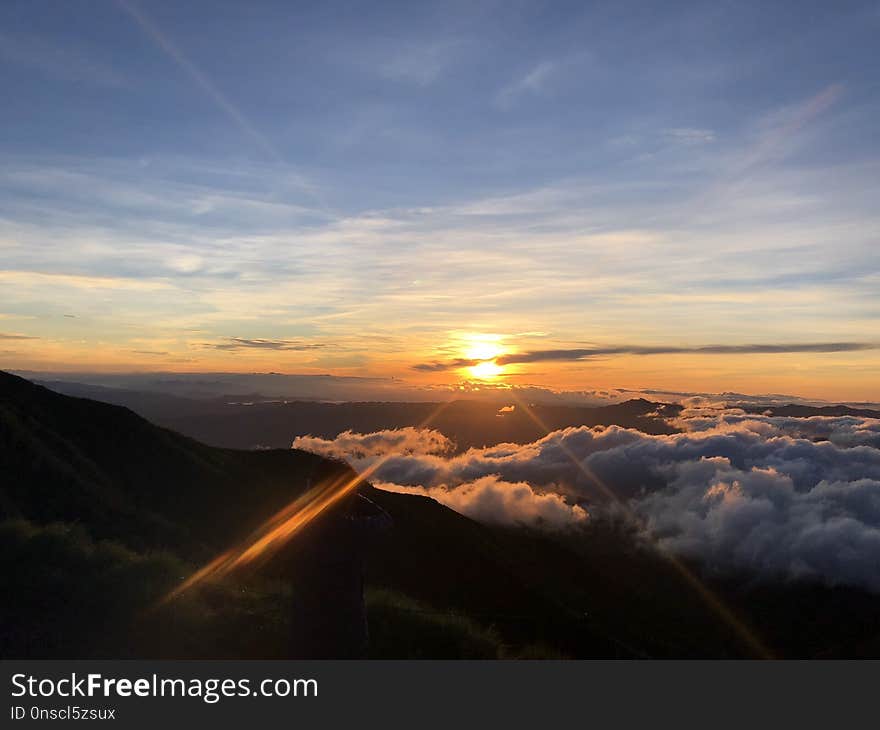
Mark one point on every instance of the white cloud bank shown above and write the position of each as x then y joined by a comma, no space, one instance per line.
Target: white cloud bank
496,502
412,464
779,497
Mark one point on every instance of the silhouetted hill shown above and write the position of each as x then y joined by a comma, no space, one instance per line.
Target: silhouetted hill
72,459
794,410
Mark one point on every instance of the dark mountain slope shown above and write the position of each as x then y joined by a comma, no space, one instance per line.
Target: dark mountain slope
77,460
103,468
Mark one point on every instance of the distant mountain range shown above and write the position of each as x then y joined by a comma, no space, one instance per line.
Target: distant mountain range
796,410
103,512
256,420
245,422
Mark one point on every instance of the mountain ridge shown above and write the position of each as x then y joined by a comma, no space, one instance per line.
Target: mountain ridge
102,513
111,473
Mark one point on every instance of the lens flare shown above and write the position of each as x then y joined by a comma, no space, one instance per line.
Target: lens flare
714,602
277,531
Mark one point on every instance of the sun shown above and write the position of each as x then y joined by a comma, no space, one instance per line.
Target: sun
486,370
485,349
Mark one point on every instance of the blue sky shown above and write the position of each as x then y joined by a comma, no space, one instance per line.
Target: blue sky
370,185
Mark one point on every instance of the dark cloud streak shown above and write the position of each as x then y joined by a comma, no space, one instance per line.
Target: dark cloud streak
440,366
575,355
241,343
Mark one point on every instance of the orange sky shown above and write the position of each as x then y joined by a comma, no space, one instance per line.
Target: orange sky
840,376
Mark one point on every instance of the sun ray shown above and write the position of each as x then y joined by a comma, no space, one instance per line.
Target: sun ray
277,531
709,597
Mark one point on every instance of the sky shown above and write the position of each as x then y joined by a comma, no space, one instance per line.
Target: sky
583,195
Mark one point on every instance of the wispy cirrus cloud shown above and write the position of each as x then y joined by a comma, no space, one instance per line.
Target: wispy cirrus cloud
531,82
690,135
232,264
419,63
243,343
77,281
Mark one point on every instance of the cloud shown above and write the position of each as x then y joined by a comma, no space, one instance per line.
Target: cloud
757,520
586,353
496,502
354,270
441,366
779,133
531,82
690,135
843,431
241,343
4,336
736,492
487,498
360,447
575,355
419,63
40,278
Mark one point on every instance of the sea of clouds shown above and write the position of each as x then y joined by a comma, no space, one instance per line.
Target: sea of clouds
775,496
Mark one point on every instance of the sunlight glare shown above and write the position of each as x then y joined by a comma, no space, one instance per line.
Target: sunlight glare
486,370
485,348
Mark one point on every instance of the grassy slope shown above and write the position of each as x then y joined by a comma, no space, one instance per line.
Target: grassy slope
72,459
